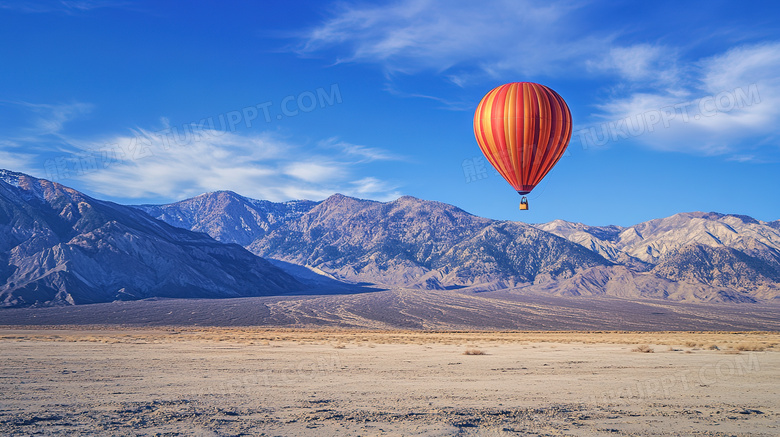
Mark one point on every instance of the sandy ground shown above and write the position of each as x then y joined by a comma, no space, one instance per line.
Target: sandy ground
394,309
214,382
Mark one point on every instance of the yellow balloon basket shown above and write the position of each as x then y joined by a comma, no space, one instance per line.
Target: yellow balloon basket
523,204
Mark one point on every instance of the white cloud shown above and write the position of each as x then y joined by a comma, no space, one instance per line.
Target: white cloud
314,172
12,159
66,6
445,103
375,189
724,104
519,36
751,63
154,165
33,130
641,62
363,153
178,162
47,119
465,41
52,117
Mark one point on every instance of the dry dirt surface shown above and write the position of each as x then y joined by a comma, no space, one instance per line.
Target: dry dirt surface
449,310
285,382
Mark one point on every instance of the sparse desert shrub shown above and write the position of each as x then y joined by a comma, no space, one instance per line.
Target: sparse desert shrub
756,347
673,349
340,346
691,344
474,352
713,347
645,349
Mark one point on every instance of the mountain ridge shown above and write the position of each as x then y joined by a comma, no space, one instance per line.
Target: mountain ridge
345,242
62,247
640,248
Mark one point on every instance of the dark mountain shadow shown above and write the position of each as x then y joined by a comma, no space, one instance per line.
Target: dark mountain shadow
320,283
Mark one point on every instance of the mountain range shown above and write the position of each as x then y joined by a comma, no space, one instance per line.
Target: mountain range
59,246
430,245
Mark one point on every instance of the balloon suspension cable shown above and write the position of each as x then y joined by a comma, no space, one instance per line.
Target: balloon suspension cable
524,204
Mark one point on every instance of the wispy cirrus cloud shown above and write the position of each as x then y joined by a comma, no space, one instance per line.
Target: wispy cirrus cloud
361,153
366,187
50,118
461,37
645,64
726,104
184,161
147,165
63,6
12,157
313,172
34,128
469,42
37,121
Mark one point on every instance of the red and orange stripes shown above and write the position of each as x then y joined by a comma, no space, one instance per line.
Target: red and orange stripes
523,129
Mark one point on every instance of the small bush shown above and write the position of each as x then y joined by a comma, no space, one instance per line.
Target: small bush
474,352
756,347
713,347
643,348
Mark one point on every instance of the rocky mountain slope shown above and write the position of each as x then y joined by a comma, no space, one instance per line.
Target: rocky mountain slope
733,252
406,242
415,243
228,217
59,246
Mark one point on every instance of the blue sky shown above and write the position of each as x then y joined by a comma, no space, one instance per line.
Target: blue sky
676,105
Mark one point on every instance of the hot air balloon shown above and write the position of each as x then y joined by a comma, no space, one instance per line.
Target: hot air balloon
523,129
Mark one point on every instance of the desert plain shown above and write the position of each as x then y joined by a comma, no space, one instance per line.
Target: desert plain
169,381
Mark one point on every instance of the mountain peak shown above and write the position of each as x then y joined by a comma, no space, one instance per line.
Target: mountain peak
12,177
338,198
712,216
559,224
69,248
414,203
407,242
31,186
228,193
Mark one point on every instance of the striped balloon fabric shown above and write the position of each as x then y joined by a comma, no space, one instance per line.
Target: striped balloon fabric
523,129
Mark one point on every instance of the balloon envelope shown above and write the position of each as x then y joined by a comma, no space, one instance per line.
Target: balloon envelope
523,129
